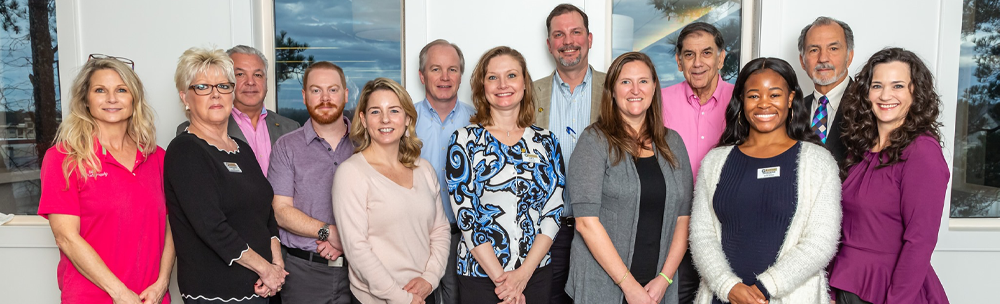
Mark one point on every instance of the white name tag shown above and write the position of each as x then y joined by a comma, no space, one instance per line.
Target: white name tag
768,172
233,167
532,158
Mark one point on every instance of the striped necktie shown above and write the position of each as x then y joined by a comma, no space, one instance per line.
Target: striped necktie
819,119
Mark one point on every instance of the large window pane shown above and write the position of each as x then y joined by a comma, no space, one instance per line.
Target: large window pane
976,186
652,27
362,37
29,99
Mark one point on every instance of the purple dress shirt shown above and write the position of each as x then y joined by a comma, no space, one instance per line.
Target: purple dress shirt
257,136
891,219
700,126
302,167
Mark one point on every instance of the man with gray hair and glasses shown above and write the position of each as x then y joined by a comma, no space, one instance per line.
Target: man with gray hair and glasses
249,121
826,48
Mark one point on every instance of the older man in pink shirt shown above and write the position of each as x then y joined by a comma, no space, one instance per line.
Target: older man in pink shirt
696,108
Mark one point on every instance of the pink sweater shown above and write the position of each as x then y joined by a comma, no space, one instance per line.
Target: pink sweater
390,234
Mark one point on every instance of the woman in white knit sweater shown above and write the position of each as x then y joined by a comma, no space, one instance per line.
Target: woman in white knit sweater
765,219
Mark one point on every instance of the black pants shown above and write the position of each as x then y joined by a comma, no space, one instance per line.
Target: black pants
560,261
847,297
687,280
481,290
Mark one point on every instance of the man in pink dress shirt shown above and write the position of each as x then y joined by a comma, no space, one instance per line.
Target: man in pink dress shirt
696,108
250,122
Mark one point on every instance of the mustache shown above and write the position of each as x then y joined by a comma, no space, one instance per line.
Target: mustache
821,66
326,104
569,47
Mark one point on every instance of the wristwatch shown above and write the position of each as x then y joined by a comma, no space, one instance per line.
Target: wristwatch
324,232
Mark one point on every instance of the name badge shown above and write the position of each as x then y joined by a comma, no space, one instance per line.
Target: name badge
768,172
233,167
339,262
531,158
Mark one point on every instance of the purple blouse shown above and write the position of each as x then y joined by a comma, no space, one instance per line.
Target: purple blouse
891,219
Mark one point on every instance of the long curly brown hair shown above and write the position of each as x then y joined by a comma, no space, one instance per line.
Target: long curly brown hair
860,125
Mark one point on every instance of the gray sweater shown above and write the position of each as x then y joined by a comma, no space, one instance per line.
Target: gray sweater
611,192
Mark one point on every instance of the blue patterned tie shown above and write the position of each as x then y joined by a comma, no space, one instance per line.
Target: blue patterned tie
819,119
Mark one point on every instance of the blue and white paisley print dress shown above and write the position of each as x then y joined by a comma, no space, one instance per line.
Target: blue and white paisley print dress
503,194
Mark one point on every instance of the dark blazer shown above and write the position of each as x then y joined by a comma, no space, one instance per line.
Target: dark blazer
277,126
543,97
833,142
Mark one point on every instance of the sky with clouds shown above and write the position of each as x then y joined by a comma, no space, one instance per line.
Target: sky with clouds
362,37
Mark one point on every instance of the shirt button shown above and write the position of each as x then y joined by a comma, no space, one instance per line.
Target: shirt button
329,149
702,137
336,163
702,113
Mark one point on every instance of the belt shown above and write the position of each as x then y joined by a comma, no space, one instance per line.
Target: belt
314,257
568,221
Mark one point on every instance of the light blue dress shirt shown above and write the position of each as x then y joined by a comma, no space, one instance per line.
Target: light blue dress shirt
436,135
570,112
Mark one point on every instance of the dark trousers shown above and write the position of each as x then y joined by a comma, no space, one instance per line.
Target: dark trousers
481,290
687,280
847,297
560,261
447,291
314,282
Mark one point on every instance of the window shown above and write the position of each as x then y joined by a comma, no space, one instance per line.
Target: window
652,27
976,185
29,96
362,37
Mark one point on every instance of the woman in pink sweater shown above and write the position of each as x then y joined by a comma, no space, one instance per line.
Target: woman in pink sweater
386,203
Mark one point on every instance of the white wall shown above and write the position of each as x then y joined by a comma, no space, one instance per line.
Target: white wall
155,33
965,260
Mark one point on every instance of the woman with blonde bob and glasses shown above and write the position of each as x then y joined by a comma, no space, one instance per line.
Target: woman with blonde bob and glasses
385,202
630,183
102,192
505,178
218,198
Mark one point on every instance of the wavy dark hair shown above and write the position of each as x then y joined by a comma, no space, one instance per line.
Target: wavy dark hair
796,123
860,131
618,132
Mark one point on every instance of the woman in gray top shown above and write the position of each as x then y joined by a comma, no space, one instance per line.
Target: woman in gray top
630,185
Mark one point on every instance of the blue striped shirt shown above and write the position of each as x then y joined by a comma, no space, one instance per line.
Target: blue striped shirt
570,112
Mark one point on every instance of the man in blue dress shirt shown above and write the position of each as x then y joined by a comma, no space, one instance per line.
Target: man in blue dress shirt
438,116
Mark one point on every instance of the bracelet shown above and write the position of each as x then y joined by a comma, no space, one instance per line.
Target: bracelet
623,278
669,281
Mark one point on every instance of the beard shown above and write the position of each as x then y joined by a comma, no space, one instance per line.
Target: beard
568,63
831,80
322,119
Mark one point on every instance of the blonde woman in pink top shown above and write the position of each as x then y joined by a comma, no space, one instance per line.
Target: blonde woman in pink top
386,203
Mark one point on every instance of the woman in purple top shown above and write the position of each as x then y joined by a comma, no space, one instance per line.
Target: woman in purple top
894,189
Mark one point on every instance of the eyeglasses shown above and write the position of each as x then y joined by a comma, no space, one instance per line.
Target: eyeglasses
202,89
127,61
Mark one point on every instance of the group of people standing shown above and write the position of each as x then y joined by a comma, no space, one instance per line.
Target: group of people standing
581,187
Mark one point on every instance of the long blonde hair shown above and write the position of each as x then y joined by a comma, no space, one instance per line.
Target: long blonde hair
409,145
75,136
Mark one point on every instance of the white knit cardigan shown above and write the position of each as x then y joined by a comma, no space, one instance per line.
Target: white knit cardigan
798,275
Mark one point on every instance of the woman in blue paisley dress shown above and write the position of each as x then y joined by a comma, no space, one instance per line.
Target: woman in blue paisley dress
506,179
